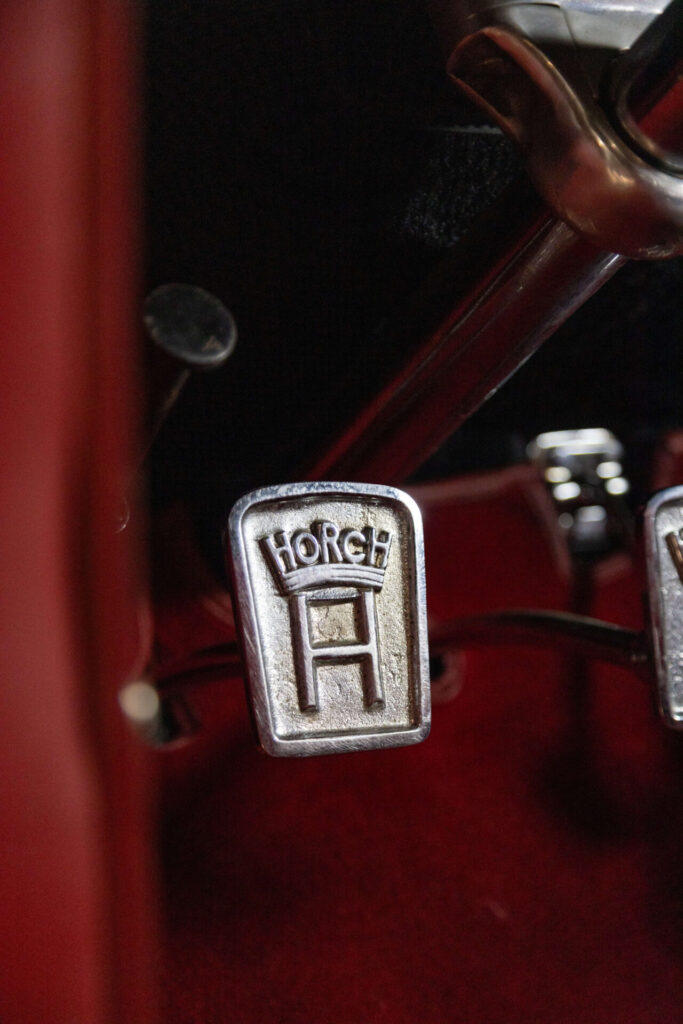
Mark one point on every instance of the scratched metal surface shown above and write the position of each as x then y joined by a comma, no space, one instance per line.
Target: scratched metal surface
342,718
663,524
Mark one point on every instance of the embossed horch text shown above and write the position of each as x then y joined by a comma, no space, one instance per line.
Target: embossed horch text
324,569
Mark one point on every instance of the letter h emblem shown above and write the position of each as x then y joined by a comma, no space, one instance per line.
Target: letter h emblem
308,652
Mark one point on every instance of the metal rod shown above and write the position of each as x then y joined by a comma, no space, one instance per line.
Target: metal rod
189,329
204,666
479,320
562,631
577,634
493,320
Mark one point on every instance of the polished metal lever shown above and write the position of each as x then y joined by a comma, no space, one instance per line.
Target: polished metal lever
542,72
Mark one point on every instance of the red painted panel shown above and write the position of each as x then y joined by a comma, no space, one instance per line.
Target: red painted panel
70,776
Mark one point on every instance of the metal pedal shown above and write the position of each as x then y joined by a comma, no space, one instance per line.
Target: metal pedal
329,583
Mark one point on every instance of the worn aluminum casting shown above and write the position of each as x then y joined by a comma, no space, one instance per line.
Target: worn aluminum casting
329,584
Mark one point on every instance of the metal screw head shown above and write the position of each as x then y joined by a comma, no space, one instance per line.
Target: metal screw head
190,325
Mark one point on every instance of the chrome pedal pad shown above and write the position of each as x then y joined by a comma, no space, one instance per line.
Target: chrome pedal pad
664,549
329,586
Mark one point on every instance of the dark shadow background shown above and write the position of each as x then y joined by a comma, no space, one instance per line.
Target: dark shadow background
309,163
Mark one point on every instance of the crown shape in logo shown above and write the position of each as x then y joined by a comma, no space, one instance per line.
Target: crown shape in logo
326,555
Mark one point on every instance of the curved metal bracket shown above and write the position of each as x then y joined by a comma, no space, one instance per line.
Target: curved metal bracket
542,96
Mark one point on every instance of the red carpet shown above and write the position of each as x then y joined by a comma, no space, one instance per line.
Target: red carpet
523,864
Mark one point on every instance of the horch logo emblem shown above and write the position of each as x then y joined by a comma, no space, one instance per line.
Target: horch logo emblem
322,570
329,589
